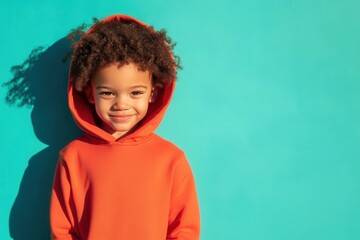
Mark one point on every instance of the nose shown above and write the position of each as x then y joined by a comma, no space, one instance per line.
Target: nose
121,103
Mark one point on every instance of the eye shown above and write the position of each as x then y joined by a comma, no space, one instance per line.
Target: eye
136,93
106,94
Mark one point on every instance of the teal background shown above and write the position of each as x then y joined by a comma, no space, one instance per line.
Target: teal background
267,109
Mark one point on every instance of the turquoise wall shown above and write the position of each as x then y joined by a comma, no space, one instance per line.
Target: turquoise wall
267,109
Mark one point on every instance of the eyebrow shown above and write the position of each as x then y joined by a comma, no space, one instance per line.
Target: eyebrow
102,87
139,86
132,87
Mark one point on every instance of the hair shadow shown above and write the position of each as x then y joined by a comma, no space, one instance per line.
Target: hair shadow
41,83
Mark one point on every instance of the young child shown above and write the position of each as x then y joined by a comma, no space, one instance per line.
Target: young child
120,180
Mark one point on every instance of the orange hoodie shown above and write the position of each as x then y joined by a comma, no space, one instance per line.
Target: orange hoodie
139,187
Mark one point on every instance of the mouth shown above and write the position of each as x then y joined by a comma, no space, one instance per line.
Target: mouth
120,118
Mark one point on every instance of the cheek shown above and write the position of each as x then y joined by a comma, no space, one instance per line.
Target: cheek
98,110
143,106
101,106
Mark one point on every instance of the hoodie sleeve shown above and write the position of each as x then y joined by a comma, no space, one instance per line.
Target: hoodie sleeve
61,216
184,217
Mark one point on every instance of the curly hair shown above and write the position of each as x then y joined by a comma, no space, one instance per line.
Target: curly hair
122,42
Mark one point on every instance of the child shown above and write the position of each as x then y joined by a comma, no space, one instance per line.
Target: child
120,180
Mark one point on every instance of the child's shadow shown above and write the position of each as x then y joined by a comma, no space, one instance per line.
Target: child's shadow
41,82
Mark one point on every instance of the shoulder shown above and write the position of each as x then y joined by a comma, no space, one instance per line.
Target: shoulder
73,148
176,157
166,145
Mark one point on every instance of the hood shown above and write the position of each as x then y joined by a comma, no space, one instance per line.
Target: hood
86,118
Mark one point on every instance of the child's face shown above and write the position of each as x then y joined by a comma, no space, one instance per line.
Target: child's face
121,97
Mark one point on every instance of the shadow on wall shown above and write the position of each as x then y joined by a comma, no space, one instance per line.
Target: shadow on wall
41,82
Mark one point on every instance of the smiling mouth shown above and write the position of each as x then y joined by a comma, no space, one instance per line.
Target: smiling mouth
120,119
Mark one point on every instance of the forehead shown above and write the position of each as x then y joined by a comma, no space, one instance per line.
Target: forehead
128,74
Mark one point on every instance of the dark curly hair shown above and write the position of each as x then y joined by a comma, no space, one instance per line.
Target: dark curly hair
122,42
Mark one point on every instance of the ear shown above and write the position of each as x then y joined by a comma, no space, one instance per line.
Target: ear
89,94
155,91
